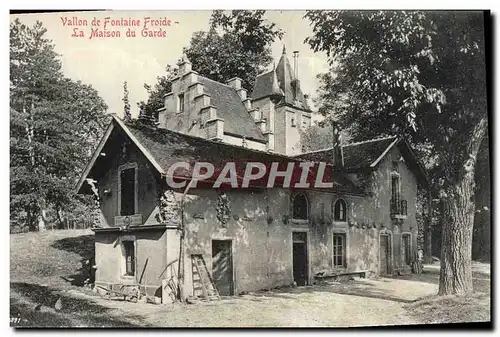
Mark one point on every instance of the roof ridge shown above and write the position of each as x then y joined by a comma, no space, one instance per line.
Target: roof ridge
224,84
370,140
164,130
350,144
315,151
265,72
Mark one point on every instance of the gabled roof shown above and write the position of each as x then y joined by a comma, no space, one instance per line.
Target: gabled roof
366,155
164,147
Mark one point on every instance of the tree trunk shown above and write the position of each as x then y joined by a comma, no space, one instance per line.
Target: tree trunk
459,208
427,243
428,231
41,221
31,219
456,242
60,217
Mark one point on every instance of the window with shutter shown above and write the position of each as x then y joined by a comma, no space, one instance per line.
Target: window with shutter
339,250
127,177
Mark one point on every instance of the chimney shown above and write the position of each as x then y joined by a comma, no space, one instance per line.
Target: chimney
338,153
296,64
295,82
184,65
307,102
235,83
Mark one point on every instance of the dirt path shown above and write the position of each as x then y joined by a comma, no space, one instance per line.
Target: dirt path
355,303
362,302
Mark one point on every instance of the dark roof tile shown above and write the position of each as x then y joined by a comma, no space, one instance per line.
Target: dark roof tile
264,85
229,106
168,147
357,156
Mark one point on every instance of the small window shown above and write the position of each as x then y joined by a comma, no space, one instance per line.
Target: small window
339,250
340,210
300,207
129,254
294,124
181,103
406,248
127,177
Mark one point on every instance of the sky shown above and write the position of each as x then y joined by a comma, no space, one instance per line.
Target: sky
105,63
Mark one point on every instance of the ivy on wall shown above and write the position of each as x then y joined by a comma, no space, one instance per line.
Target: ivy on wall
223,209
169,209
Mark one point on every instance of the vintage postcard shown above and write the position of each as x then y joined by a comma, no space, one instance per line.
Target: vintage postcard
250,168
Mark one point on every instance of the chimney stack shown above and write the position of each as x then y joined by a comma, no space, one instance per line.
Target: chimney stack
296,64
337,155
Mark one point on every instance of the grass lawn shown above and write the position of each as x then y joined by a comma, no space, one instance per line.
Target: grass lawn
48,266
452,309
50,258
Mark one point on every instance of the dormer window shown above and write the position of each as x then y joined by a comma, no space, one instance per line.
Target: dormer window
180,103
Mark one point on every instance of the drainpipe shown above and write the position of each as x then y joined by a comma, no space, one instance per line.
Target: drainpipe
182,248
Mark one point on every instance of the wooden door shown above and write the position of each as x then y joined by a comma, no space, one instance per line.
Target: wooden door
300,258
384,255
222,266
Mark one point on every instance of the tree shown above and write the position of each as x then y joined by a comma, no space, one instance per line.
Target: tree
237,44
156,93
126,104
320,136
54,123
421,75
481,239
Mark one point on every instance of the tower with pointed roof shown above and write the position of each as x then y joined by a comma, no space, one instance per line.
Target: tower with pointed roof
281,103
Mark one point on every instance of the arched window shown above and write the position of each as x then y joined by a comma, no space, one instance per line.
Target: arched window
300,207
340,210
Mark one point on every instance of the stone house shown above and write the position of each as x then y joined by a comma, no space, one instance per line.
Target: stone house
250,238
